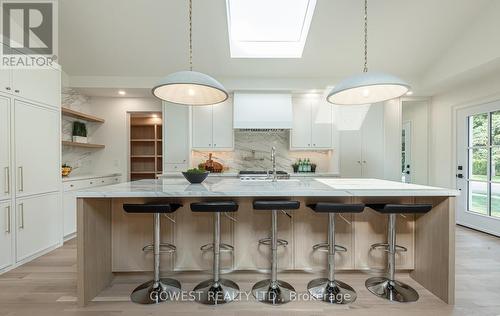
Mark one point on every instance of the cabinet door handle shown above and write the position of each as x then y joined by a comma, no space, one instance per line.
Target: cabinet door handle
359,162
7,211
7,88
215,145
21,179
7,180
16,91
21,216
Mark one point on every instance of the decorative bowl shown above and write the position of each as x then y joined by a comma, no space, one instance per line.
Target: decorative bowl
193,177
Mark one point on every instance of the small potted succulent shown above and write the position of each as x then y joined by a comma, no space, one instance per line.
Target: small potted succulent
66,170
195,175
79,132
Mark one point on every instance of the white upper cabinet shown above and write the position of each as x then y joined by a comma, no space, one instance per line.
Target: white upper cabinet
5,170
37,139
175,136
202,126
213,126
301,129
222,125
5,80
40,85
321,124
312,123
363,149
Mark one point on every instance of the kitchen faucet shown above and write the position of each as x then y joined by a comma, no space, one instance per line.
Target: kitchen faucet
273,159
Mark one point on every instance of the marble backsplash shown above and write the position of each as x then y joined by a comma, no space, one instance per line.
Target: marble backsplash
77,157
252,151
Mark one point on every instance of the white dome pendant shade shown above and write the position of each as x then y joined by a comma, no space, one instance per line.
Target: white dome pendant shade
367,87
190,88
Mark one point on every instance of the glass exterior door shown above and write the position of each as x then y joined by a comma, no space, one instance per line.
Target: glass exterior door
478,168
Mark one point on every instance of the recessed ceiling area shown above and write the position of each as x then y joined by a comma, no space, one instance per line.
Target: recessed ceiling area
131,44
268,29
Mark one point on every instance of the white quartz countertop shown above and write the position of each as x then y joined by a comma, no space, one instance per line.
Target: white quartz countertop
89,176
229,187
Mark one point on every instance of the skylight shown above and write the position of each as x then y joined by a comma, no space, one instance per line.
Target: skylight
268,28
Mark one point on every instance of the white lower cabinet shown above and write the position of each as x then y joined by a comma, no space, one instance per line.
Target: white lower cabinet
6,234
38,224
69,199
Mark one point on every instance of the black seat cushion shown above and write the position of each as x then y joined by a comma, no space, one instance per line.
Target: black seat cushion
276,205
326,207
151,208
215,206
401,208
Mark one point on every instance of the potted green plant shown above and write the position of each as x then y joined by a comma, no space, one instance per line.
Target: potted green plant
79,132
195,175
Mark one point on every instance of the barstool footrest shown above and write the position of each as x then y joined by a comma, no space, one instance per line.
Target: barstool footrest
223,247
323,246
267,241
164,248
385,247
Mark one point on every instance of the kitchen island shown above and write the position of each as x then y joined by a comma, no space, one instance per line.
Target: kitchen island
110,241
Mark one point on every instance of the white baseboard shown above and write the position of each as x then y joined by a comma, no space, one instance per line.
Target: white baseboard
32,257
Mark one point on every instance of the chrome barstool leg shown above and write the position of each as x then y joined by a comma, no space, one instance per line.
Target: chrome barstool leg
159,289
273,291
388,287
329,289
216,291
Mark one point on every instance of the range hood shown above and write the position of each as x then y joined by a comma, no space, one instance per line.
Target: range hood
261,110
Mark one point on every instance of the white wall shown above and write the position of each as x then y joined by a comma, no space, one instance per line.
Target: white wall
442,150
417,113
114,132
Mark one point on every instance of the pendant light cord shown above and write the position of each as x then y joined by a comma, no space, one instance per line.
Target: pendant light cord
190,35
366,37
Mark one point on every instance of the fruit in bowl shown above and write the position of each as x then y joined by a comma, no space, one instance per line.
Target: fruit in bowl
66,170
195,175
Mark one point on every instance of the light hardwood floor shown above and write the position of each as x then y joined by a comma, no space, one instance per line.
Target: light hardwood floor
47,286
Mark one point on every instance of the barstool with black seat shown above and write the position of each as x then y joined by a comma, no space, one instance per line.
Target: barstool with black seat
216,290
388,287
274,291
329,289
159,289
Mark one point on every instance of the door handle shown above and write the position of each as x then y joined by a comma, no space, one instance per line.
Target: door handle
21,180
21,216
460,176
7,210
7,180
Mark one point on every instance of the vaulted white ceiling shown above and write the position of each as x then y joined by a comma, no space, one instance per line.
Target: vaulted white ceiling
132,43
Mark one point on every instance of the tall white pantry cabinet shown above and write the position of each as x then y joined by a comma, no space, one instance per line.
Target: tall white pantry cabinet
30,159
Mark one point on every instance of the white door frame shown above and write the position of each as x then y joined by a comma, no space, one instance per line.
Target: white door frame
407,127
460,132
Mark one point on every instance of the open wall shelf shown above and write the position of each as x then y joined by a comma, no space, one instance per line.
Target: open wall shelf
80,115
86,145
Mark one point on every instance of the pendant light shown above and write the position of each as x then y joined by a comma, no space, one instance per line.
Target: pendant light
190,87
367,87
